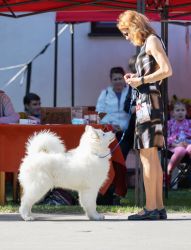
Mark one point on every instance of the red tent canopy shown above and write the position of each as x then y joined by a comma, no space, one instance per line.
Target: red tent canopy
99,9
177,9
94,16
86,16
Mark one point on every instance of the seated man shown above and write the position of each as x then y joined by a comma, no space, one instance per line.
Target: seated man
32,106
110,104
7,112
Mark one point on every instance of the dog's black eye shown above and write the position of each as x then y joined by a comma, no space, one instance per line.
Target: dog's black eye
103,134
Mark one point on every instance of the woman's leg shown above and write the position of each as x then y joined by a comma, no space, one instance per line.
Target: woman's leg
159,183
179,153
150,175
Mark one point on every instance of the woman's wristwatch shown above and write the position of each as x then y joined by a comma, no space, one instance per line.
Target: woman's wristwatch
142,80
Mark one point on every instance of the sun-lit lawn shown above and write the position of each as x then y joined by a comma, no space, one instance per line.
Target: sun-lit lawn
178,201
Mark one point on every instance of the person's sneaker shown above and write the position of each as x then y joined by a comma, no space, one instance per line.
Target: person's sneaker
162,214
146,215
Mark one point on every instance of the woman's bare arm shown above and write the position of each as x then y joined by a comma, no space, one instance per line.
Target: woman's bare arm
163,70
154,48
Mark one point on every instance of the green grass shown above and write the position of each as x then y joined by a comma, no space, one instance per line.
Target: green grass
178,201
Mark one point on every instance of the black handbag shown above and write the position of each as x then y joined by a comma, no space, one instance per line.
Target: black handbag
129,101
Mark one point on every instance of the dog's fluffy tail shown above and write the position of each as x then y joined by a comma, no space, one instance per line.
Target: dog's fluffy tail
44,141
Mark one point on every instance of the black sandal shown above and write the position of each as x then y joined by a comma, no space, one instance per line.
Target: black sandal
147,215
162,214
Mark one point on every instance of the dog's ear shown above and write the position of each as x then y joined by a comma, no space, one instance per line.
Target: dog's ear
94,134
87,127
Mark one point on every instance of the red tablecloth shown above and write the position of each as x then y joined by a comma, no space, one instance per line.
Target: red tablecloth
13,138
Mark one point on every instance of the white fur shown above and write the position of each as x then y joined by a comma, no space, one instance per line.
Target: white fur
47,165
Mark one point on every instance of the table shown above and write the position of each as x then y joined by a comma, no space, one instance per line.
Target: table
13,138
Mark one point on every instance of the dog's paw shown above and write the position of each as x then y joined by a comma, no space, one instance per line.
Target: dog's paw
101,217
27,218
97,217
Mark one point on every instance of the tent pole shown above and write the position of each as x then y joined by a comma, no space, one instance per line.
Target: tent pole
139,190
164,91
140,9
141,6
72,65
55,64
29,71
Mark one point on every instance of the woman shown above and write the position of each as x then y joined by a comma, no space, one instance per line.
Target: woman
7,112
152,67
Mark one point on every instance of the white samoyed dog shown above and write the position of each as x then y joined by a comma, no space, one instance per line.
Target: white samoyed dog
47,165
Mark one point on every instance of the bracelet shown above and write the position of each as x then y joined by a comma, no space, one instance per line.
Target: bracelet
142,80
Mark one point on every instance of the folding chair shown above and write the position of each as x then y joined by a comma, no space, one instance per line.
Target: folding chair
184,169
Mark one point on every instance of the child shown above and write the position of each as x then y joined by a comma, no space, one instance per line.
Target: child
179,135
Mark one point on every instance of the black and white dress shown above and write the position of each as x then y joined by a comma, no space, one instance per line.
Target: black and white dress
149,133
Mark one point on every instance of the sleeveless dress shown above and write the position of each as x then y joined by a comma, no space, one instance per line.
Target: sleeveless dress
149,133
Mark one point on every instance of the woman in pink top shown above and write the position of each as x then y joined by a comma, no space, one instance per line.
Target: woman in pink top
7,112
179,135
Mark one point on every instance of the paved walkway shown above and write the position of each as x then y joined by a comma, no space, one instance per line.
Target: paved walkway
73,232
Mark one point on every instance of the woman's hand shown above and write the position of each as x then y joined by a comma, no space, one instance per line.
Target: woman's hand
129,75
132,80
180,144
183,144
